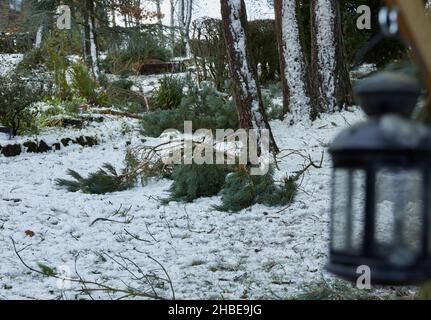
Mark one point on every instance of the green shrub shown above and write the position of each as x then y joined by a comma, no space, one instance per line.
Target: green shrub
243,190
125,99
84,84
274,111
122,83
169,94
337,290
207,108
16,99
195,181
32,60
142,47
58,63
156,123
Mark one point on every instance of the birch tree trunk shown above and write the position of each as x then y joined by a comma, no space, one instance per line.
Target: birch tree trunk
172,26
39,37
293,61
91,50
328,59
247,92
185,13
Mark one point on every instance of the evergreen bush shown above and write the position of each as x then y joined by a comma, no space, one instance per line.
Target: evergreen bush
85,85
134,48
32,60
122,83
16,99
169,94
206,108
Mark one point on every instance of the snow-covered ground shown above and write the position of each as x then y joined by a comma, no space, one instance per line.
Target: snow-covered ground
258,253
8,62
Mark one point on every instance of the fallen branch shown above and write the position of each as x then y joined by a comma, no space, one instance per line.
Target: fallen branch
121,114
98,287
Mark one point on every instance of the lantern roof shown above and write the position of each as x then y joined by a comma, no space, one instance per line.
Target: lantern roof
390,132
388,92
389,99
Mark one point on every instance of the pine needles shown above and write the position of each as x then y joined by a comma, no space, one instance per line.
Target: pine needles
195,181
105,180
243,190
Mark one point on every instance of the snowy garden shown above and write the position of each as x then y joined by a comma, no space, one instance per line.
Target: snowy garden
98,198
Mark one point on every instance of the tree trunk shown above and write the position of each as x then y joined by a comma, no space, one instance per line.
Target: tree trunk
293,61
4,15
328,59
185,12
172,26
247,92
39,37
91,50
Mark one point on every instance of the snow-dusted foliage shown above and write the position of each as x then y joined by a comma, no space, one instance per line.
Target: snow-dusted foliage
295,70
326,49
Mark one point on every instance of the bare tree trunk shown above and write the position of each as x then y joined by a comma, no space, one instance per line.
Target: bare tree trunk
91,50
4,15
39,37
185,12
247,92
188,21
329,64
172,26
293,62
159,12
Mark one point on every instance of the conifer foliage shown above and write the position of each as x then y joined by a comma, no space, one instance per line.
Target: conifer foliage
105,180
243,190
196,181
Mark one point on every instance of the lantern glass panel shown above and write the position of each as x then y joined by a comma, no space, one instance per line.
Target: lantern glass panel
399,208
348,210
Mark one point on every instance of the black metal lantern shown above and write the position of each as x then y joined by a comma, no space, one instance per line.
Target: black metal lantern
381,187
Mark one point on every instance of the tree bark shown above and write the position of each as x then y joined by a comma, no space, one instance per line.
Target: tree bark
328,58
4,15
91,49
247,92
172,25
39,37
293,61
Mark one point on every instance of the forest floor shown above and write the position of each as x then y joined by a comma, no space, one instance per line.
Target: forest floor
128,239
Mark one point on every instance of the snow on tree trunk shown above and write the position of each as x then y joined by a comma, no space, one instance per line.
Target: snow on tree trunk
185,12
328,61
292,60
247,92
172,25
39,36
93,49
